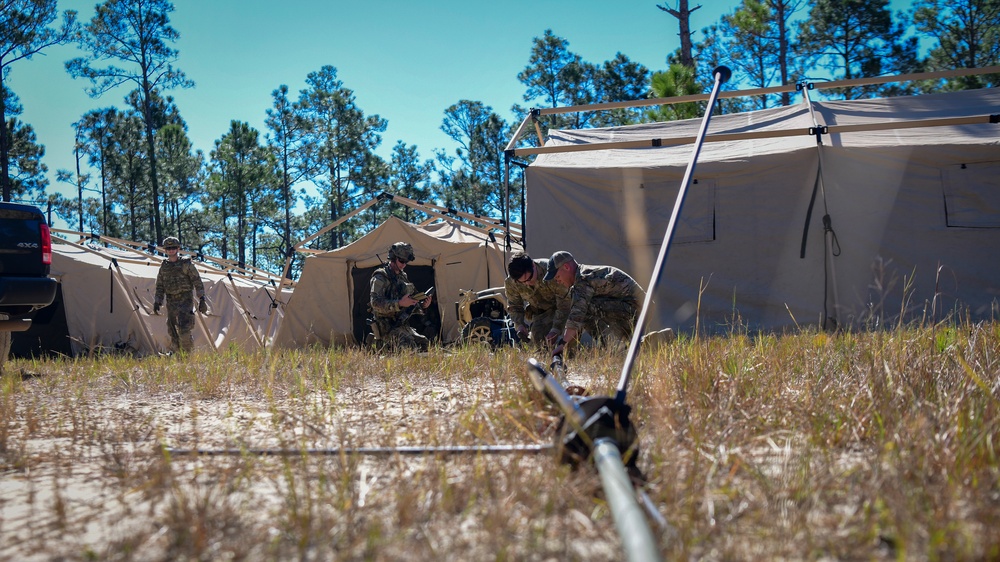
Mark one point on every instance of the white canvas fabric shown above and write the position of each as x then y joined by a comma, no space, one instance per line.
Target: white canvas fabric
915,213
320,312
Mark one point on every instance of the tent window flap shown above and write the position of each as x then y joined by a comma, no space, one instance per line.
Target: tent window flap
697,220
972,195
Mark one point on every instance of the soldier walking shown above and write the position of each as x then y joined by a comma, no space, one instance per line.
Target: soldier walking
176,279
391,303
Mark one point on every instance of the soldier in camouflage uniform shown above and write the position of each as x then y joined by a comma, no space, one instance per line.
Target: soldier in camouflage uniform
602,300
531,302
391,303
176,279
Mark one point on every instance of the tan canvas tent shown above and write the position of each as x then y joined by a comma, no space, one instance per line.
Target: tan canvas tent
107,298
853,211
331,296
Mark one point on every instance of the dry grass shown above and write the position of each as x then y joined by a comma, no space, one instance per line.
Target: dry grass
804,446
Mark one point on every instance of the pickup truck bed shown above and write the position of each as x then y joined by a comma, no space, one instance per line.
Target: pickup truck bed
25,259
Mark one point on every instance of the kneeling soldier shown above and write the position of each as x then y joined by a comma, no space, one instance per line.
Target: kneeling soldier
392,304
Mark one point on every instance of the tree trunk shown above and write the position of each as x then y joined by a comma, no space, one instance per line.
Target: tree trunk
151,151
683,15
781,17
4,145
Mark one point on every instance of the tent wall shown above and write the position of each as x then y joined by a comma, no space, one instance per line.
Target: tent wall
321,310
109,308
902,203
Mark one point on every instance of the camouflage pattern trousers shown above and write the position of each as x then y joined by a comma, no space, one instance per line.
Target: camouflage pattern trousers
540,324
611,320
405,337
180,322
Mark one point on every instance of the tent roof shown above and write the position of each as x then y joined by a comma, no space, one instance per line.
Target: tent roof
426,240
783,130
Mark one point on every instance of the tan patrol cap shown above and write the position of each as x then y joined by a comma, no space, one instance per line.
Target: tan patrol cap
557,260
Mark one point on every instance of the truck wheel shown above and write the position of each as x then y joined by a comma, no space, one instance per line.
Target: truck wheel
4,344
479,331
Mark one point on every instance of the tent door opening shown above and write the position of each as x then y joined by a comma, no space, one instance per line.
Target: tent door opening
422,276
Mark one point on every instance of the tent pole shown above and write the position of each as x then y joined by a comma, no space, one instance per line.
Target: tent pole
721,75
120,277
506,204
598,428
277,296
206,331
133,299
940,74
764,134
439,212
259,338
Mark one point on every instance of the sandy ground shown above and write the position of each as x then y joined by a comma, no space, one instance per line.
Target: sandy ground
91,479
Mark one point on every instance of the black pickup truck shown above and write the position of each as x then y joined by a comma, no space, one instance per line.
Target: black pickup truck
25,258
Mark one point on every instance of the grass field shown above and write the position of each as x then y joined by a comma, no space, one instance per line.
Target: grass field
804,446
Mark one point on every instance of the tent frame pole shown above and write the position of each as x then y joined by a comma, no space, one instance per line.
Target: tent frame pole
937,75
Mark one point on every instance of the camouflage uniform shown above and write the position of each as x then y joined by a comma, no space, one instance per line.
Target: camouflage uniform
604,301
394,329
176,280
535,303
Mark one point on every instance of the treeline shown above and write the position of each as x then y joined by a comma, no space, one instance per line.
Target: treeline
139,177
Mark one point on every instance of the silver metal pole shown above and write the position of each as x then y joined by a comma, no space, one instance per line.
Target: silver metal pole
721,74
637,538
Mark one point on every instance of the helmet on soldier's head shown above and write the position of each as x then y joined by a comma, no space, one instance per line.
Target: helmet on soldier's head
171,242
402,251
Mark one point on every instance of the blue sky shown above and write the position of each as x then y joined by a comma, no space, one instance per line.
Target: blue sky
406,60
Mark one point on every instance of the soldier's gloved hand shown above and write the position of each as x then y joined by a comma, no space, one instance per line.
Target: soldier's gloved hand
156,308
202,305
552,336
522,333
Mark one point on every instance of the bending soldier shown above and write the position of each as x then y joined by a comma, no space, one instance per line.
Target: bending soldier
602,300
531,302
176,279
392,304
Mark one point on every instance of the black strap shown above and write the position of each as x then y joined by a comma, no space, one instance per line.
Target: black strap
111,288
805,227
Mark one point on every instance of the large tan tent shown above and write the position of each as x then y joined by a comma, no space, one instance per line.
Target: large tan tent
106,297
330,303
857,212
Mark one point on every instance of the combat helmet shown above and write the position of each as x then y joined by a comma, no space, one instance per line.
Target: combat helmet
171,242
401,250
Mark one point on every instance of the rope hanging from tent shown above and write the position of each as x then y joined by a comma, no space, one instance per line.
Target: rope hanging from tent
829,235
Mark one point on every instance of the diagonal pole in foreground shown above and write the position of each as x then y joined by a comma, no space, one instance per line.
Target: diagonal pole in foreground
721,75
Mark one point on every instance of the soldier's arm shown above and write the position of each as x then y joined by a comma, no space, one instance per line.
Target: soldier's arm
580,297
199,286
381,302
160,290
564,302
515,302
